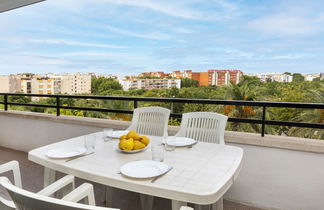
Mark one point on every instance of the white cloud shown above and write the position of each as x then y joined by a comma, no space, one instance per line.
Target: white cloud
74,43
152,35
104,55
287,24
169,9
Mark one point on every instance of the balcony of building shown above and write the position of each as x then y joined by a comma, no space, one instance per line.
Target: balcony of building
278,172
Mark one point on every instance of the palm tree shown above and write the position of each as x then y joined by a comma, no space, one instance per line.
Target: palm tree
245,90
311,116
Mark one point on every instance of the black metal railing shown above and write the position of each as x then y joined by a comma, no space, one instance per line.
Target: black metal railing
264,104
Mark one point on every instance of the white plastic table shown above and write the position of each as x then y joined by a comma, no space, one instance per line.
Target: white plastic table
201,174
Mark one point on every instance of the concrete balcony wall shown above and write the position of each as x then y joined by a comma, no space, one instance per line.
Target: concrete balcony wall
277,173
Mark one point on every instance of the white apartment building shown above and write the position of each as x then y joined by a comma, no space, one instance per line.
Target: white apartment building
10,84
75,83
278,77
150,83
310,77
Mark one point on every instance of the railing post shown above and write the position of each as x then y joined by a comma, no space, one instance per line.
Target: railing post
58,111
135,104
6,102
263,120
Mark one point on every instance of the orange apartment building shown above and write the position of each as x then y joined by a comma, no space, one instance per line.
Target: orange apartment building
211,77
224,77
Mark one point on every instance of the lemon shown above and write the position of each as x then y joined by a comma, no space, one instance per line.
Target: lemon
145,140
136,136
131,134
122,137
138,145
126,144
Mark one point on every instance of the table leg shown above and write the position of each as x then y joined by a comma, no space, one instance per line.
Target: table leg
218,205
109,196
176,205
146,201
49,176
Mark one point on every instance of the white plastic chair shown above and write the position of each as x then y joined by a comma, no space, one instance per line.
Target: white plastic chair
150,121
65,184
25,200
203,126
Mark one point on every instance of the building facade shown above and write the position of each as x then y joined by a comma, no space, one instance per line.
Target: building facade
10,84
224,77
274,77
76,83
150,83
211,77
45,85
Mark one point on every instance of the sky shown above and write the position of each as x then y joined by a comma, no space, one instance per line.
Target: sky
128,37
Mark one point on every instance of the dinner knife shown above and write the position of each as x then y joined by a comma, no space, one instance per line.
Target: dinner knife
155,178
79,156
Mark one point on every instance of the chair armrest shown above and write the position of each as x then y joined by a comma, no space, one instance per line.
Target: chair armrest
6,204
14,167
83,191
186,208
58,185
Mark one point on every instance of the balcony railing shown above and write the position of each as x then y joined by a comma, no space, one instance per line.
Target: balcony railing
263,104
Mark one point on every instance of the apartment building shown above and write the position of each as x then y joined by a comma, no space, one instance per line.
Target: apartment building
211,77
45,85
10,84
158,74
150,83
224,77
76,83
25,82
311,77
277,77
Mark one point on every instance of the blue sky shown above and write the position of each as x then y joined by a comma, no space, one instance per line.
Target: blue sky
129,37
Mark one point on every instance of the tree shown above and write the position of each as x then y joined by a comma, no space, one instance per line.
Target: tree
297,77
187,82
311,116
103,86
244,90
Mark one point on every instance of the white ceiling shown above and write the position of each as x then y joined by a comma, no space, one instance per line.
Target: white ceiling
6,5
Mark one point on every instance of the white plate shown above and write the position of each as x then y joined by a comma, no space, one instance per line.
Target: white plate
66,152
179,141
144,169
117,134
131,151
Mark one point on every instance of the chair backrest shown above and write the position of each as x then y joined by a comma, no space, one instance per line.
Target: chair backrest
14,167
203,126
150,121
25,200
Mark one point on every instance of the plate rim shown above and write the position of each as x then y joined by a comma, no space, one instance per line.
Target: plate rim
146,177
131,151
115,136
78,147
195,141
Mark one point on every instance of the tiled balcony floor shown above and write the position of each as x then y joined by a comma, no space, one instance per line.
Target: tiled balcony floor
32,175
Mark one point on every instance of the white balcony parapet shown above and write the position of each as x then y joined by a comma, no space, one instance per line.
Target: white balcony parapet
278,172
